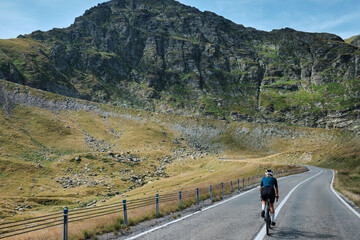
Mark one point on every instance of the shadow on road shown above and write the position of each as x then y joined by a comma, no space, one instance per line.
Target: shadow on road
292,233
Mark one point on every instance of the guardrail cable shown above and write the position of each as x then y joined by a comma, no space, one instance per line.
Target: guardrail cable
28,227
137,207
30,231
108,212
140,205
95,208
168,199
95,216
141,199
53,214
12,226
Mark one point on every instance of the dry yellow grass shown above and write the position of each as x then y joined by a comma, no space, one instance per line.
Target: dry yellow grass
31,136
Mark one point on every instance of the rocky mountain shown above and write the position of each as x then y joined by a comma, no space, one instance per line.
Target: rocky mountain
163,56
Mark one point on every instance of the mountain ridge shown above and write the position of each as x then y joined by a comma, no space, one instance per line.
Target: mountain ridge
167,57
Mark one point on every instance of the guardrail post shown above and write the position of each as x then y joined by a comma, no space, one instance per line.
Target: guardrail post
243,183
125,213
238,184
210,193
180,199
232,187
252,180
222,188
197,195
66,224
247,186
157,205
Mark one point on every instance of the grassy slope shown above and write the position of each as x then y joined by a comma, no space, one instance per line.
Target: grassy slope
350,39
30,136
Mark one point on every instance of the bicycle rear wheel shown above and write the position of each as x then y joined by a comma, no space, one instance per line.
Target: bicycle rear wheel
267,219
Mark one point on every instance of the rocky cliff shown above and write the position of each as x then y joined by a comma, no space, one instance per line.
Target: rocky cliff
161,55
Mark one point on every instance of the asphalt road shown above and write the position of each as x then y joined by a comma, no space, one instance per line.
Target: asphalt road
310,211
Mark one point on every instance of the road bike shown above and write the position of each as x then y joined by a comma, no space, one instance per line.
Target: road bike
267,218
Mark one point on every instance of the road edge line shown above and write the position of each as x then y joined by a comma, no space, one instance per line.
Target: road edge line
341,199
262,232
189,215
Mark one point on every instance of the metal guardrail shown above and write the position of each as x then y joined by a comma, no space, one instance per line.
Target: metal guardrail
11,229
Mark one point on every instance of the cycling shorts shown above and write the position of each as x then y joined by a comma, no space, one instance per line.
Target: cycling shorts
268,192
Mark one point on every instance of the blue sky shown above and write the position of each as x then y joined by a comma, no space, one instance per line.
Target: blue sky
341,17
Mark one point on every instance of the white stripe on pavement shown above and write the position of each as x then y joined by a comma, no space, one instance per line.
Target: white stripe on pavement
187,216
262,232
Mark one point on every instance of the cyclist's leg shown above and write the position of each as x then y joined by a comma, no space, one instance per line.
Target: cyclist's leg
264,196
272,200
272,209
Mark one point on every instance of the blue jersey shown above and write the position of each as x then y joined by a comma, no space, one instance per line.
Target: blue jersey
268,182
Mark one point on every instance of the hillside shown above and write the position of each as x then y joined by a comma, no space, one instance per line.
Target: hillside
166,57
58,151
355,40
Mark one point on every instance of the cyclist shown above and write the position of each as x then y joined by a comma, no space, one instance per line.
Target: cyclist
269,189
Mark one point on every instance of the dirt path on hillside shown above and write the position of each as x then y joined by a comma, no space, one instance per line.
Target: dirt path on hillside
250,159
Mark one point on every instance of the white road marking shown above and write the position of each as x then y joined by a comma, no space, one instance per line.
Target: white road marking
190,215
342,200
262,232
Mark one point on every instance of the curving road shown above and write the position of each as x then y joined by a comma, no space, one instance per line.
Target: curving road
307,209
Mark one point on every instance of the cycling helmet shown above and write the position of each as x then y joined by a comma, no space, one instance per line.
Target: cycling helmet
269,172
